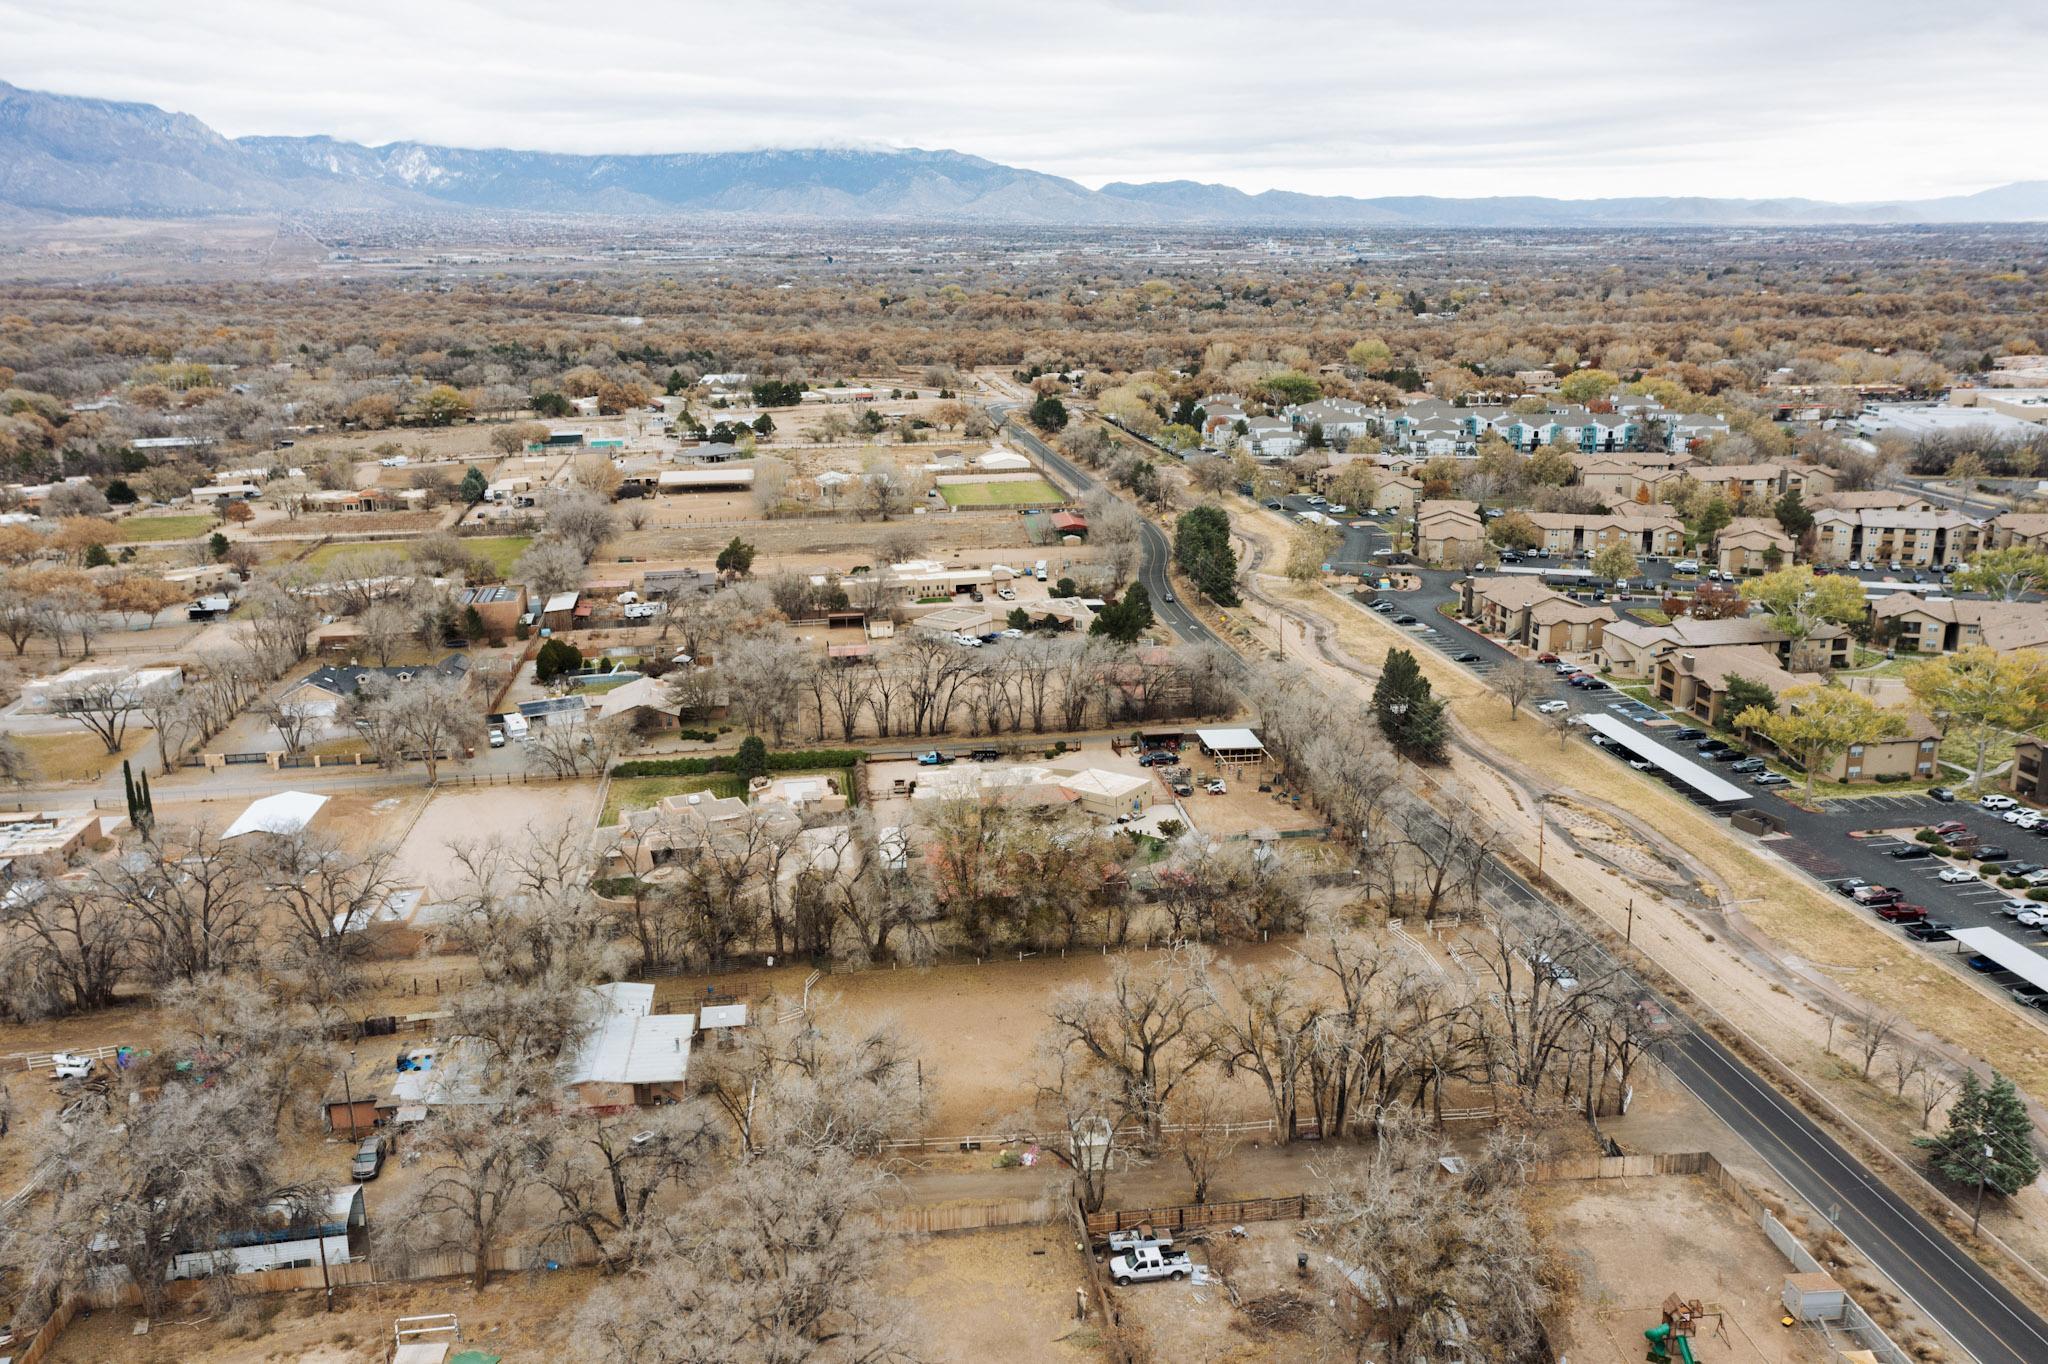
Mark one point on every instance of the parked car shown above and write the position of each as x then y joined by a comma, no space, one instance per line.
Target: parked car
1686,566
1950,826
369,1159
1007,593
1688,734
1899,913
1141,1264
1121,1241
1849,885
1957,876
70,1066
2023,819
1991,852
1405,620
935,758
1467,657
1769,779
1877,895
1157,757
1995,801
1942,794
1929,930
1548,658
1552,707
1214,786
1383,607
1749,765
1911,852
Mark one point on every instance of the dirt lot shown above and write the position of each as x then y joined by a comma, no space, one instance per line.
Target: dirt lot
1633,1241
992,1295
457,817
525,1318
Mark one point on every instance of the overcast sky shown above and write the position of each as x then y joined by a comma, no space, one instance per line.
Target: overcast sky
1864,100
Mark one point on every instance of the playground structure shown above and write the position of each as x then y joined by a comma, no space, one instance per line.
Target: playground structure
1672,1337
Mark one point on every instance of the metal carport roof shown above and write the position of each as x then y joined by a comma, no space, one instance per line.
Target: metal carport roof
2009,952
1701,778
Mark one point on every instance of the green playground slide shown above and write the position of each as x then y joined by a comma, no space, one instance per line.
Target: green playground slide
1662,1342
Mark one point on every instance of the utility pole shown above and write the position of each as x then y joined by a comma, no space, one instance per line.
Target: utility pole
1629,934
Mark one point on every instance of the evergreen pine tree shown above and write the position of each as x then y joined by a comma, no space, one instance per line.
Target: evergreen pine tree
146,805
1988,1140
1408,713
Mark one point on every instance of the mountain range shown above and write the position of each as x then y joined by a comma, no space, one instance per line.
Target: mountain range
65,154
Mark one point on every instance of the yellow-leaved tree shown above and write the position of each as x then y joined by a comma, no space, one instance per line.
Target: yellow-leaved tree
1981,694
1814,725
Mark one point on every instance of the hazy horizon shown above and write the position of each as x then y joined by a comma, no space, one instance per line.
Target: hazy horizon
1880,102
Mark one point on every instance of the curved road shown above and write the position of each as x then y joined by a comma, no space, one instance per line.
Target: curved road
1157,551
1949,1288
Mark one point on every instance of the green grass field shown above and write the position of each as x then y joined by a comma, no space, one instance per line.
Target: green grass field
152,529
1023,492
502,551
643,793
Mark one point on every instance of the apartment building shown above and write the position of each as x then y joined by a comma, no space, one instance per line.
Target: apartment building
2028,530
1942,625
1752,544
1759,485
1653,529
1697,681
1631,648
1627,476
1886,535
1520,608
1447,528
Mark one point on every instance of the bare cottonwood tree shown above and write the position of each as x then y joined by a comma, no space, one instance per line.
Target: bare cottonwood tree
1145,1028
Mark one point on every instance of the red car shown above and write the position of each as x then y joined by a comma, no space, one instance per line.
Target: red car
1950,826
1548,658
1897,913
1877,895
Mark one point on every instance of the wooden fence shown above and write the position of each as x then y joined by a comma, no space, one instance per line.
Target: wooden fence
1200,1215
925,1218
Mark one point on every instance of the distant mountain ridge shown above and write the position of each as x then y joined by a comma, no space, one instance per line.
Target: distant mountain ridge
67,154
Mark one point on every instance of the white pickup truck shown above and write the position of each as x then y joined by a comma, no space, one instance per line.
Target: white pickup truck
1141,1263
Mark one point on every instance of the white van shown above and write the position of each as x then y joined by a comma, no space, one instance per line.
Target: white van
1038,570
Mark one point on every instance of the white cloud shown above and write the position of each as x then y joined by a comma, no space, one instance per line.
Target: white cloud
1881,99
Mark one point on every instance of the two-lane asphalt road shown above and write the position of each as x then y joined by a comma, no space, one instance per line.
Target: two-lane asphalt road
1157,551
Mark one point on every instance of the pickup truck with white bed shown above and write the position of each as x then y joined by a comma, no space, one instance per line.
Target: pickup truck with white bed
1142,1263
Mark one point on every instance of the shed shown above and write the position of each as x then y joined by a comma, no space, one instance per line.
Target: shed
1814,1297
714,1016
1107,794
1070,523
1235,745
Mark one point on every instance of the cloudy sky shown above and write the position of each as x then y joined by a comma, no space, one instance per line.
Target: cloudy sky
1864,100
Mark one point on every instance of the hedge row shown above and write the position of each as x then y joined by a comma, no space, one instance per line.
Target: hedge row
798,760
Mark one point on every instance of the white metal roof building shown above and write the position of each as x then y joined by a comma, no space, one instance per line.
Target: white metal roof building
630,1044
287,812
1235,745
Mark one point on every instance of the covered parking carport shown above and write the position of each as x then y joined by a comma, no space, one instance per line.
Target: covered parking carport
1699,781
2008,952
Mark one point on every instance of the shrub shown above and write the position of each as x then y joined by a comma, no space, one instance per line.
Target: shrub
2038,893
795,760
1888,778
1926,836
2011,882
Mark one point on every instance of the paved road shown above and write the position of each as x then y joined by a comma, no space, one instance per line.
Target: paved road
1157,551
1949,1288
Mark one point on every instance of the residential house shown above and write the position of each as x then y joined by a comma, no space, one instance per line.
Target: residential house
630,1056
1942,625
1752,544
1920,539
499,607
1630,648
323,692
93,686
1448,529
1697,681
